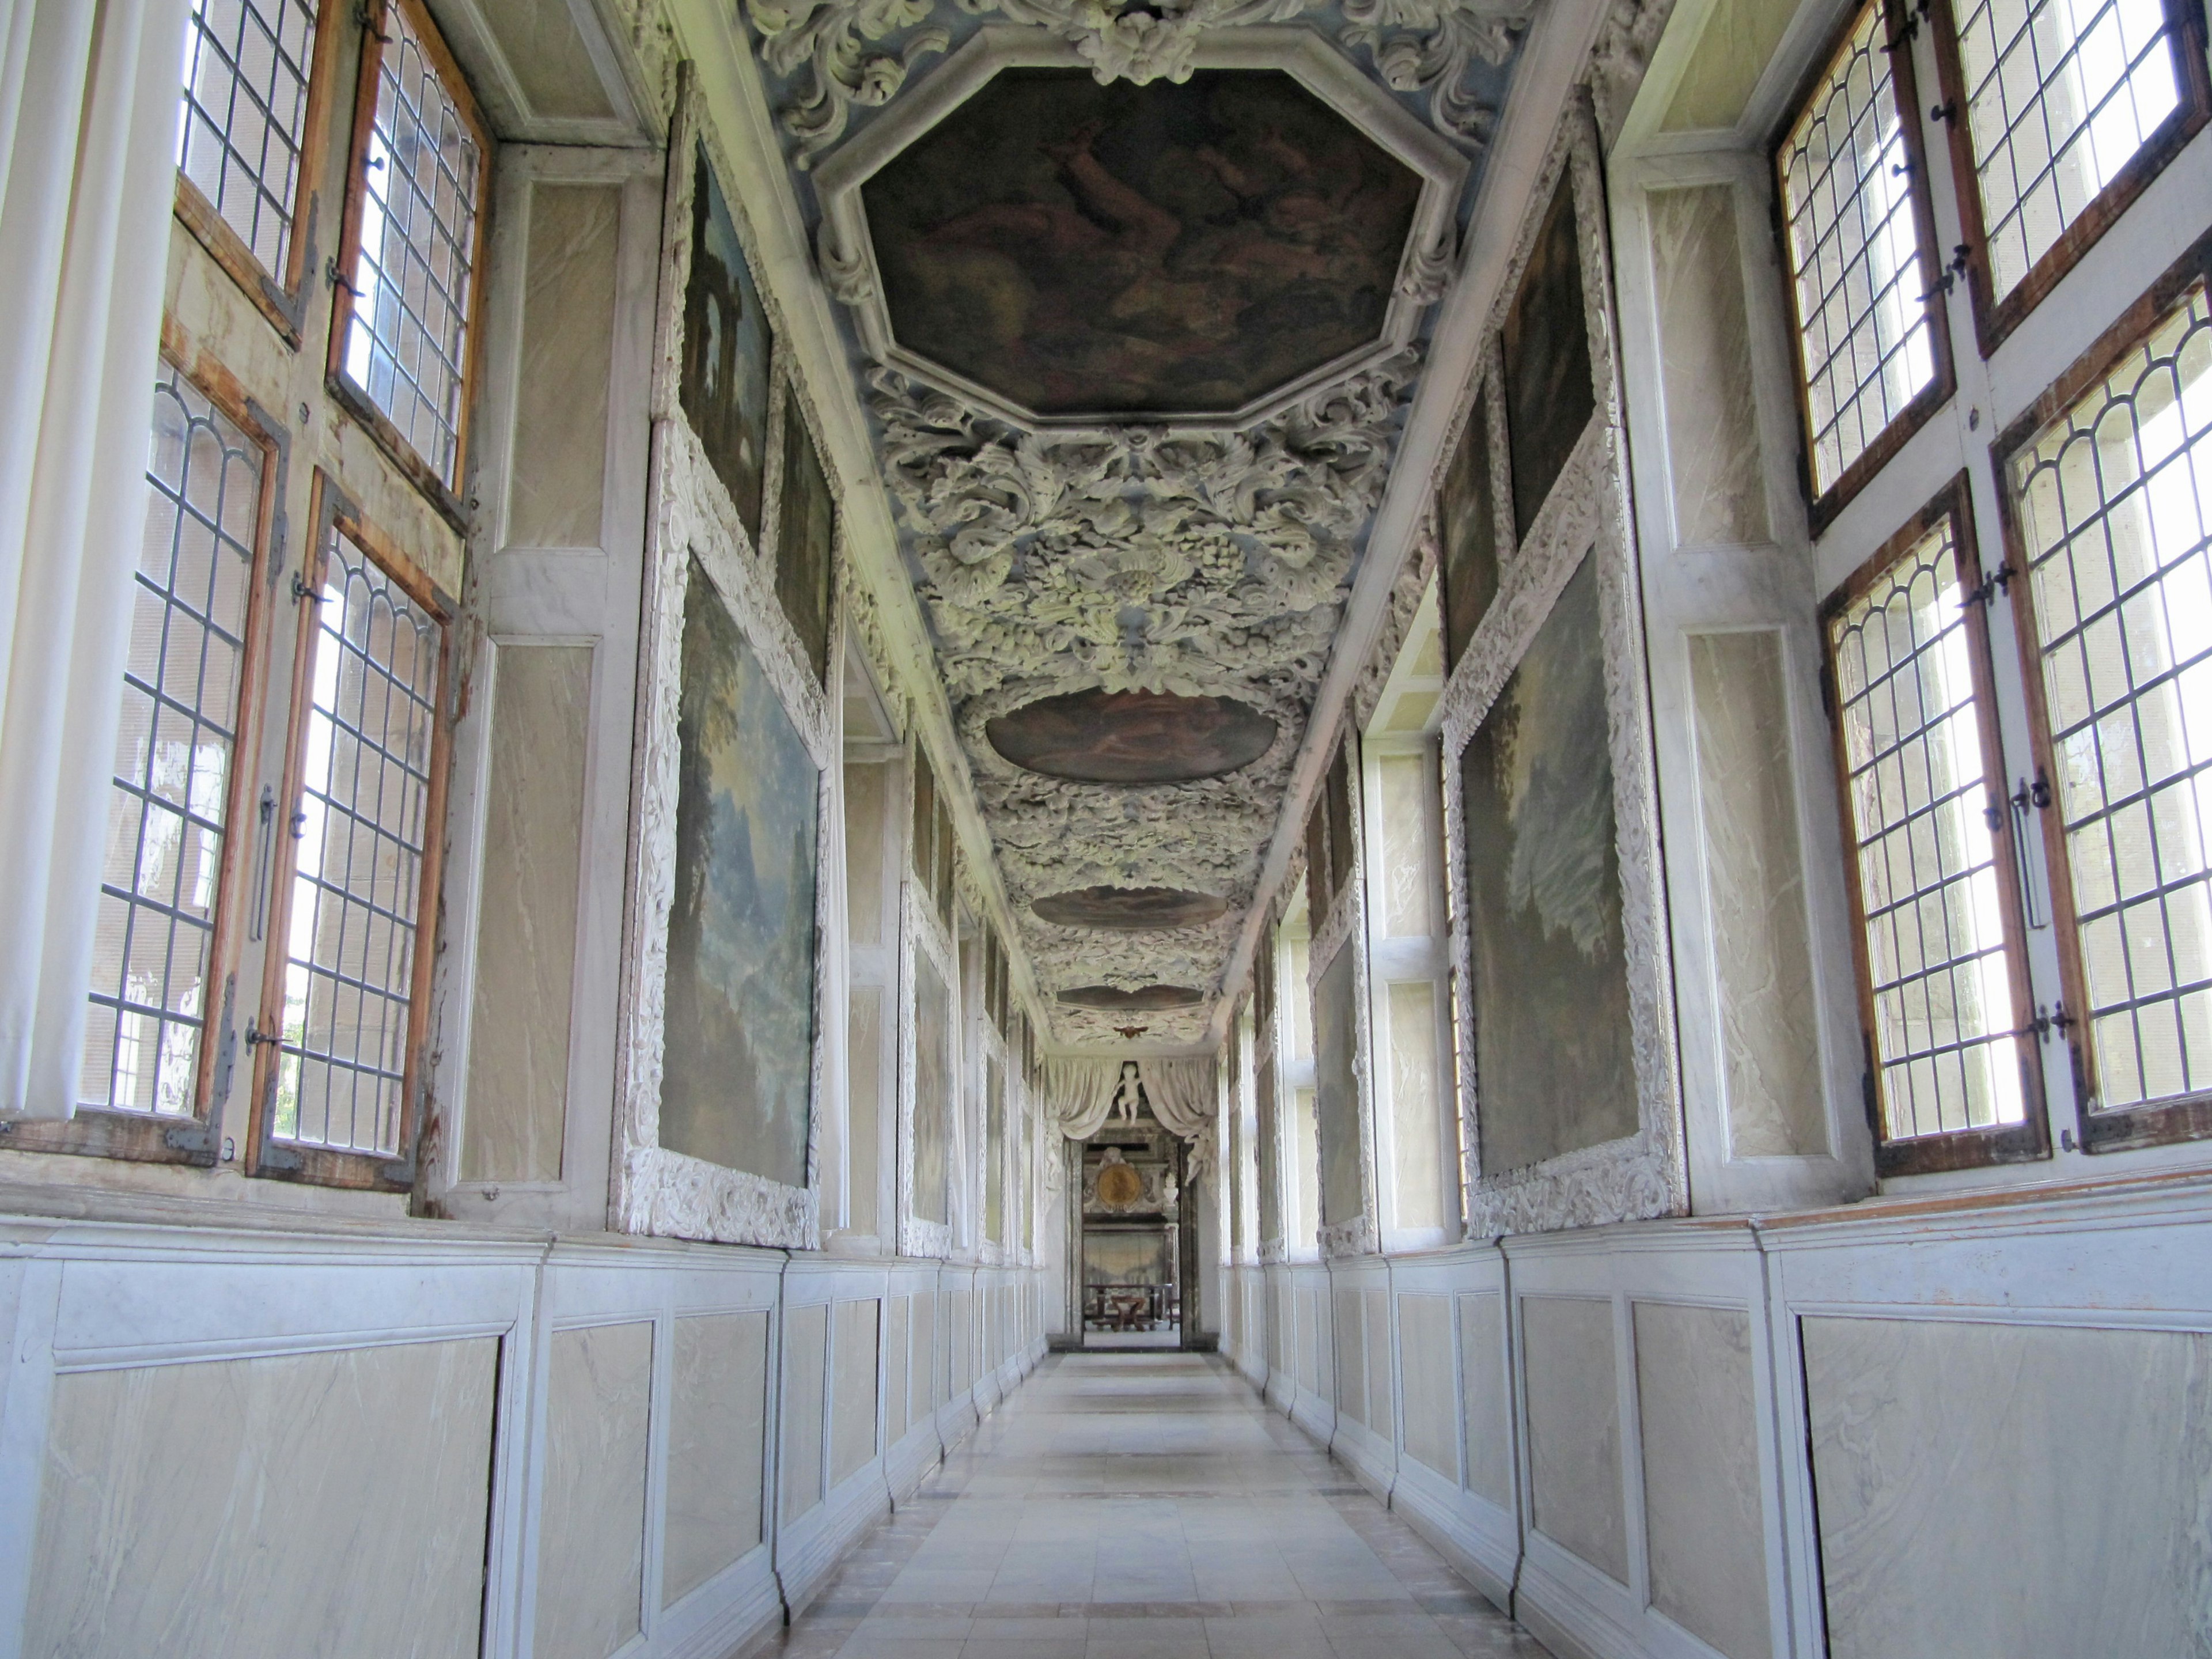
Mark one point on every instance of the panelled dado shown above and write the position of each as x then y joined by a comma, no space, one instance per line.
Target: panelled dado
585,1445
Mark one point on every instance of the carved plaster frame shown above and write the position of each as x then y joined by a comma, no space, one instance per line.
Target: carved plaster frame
1587,512
845,252
655,1190
923,932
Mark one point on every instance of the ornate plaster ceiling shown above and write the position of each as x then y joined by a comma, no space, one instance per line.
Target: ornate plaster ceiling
1133,547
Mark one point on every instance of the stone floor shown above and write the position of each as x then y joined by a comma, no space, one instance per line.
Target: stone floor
1143,1506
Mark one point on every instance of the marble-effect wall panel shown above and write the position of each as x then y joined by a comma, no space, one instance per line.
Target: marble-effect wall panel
516,1108
1417,1106
1350,1354
1704,341
896,1322
590,1524
1488,1418
868,796
922,1372
2031,1492
330,1504
853,1415
1574,1428
806,1345
557,493
865,1092
1382,1394
717,1432
1701,1493
1755,889
1424,1368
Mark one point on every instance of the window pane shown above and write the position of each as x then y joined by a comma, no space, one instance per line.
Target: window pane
411,281
1915,792
1410,847
2112,503
1854,247
1417,1105
2060,96
357,885
244,113
166,819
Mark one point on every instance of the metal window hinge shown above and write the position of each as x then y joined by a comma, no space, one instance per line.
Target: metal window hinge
1999,581
1960,254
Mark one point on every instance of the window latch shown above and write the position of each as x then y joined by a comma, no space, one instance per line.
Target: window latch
1946,110
1952,272
303,594
2046,1021
255,1037
365,13
333,277
2029,797
268,818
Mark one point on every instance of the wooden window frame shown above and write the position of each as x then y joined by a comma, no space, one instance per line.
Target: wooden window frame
2152,1124
1822,507
145,1137
333,512
1994,320
281,296
2028,1141
354,399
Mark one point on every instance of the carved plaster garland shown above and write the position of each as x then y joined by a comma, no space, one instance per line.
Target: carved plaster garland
1586,514
845,55
1205,563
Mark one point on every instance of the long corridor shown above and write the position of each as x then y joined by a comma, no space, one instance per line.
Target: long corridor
1142,1506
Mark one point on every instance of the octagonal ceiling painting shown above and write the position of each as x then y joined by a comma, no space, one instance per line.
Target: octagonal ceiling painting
1119,250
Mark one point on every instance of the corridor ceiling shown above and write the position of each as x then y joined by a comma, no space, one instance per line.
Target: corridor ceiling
1137,301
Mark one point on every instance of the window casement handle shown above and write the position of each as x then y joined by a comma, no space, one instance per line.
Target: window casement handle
264,848
2054,1019
1948,111
2028,798
1960,253
333,277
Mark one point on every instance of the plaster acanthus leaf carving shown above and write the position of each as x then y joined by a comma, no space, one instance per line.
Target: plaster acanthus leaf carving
1428,271
826,43
845,275
841,55
1428,46
1622,52
1200,562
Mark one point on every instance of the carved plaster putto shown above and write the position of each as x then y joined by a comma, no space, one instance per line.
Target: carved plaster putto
1587,512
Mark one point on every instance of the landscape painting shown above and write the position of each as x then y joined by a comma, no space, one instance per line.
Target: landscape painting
723,384
738,1065
1176,249
1467,526
932,1090
1554,1063
805,538
1548,395
1336,1092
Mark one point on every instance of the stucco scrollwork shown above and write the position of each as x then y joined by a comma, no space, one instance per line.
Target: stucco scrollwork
844,55
1204,563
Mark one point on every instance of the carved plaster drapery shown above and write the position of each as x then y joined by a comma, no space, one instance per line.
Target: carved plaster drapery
1586,514
846,55
1231,551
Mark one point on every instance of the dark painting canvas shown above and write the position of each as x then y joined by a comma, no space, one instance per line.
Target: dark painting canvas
805,538
738,1065
1336,1092
932,1090
1548,395
724,383
1080,248
1467,524
1554,1068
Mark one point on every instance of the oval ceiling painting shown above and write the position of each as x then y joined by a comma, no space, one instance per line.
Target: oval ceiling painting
1148,1000
1129,909
1168,249
1132,737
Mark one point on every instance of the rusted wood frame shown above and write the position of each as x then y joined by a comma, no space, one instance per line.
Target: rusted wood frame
1957,1149
1822,508
442,492
1994,320
2156,1123
333,514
